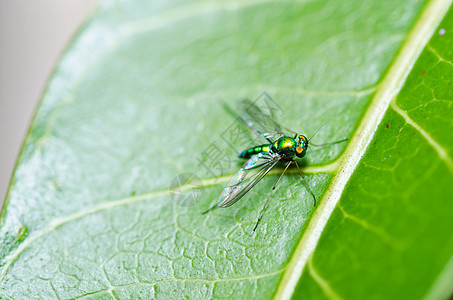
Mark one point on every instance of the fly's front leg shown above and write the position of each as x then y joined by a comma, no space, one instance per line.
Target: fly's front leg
306,185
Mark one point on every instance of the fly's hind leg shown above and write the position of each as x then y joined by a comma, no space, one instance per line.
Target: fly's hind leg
267,200
209,209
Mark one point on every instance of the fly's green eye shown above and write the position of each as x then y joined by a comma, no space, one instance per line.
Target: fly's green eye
303,140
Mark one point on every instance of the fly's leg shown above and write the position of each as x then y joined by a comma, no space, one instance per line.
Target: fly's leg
209,209
267,200
306,185
328,144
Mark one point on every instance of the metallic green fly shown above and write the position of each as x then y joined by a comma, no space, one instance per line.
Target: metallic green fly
261,159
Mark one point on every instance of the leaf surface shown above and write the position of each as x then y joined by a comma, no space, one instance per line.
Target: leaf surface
136,101
393,222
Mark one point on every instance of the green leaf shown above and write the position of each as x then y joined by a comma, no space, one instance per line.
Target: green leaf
393,221
136,101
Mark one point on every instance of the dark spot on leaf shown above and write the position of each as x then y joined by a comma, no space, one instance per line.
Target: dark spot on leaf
22,233
387,125
422,73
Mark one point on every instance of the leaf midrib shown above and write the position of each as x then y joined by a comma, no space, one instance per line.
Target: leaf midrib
387,90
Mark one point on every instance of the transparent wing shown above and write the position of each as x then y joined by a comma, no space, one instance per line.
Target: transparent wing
258,121
246,178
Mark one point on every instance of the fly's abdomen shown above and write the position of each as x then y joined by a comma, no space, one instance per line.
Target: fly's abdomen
254,150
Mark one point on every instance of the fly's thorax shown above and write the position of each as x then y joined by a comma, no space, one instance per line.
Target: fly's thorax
285,146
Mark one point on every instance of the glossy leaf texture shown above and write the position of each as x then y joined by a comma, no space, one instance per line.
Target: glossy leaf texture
137,100
393,222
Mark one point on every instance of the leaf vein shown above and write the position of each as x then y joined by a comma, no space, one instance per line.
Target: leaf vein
386,238
443,154
323,284
184,280
106,205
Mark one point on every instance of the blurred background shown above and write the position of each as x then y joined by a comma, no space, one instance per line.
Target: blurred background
33,35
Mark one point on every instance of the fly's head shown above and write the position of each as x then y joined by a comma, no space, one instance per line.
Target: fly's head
302,146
